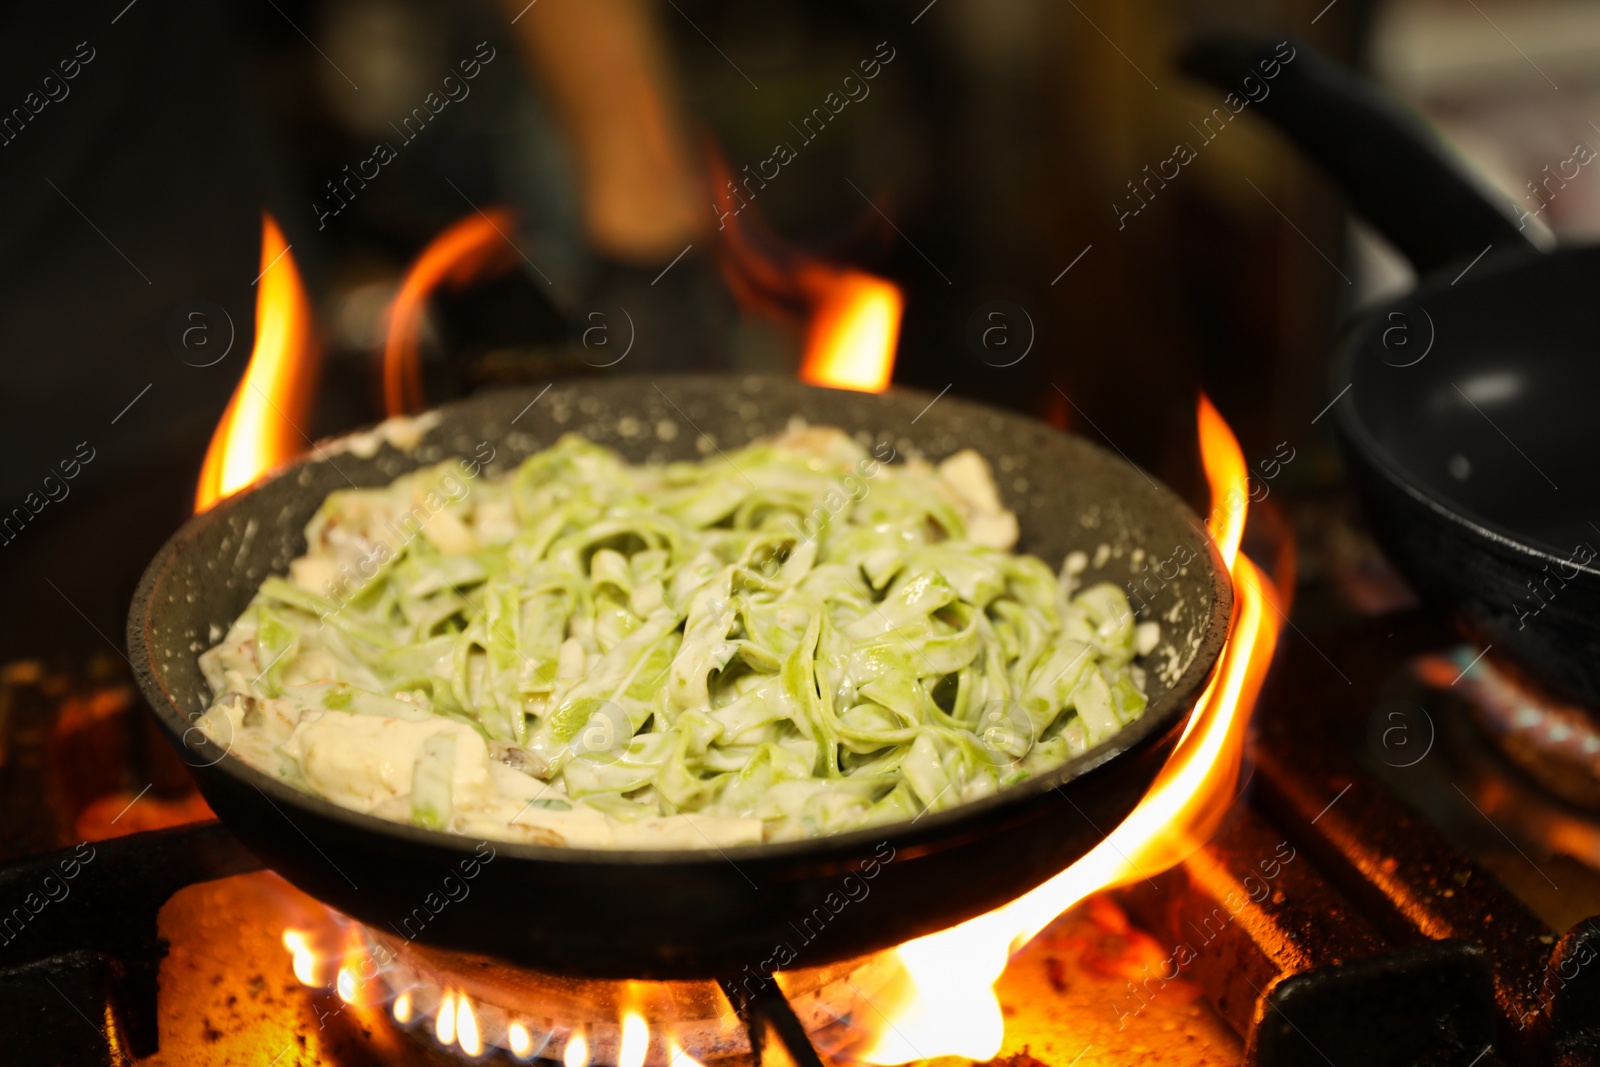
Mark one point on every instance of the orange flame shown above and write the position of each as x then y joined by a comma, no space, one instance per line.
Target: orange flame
850,342
519,1041
261,427
852,318
305,960
472,248
576,1054
467,1035
953,1009
444,1021
635,1040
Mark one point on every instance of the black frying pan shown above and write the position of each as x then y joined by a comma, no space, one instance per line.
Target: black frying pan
1470,424
696,913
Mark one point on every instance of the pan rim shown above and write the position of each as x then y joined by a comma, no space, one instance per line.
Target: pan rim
1347,417
1164,714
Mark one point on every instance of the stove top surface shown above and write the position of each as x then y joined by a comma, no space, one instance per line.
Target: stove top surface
1391,858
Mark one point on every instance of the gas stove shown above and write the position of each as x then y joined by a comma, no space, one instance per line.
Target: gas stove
1392,885
1400,877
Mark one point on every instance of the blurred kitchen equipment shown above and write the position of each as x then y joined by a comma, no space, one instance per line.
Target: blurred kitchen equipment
1465,408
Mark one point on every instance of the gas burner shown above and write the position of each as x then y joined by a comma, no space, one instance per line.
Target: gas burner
468,1005
1555,743
606,1023
1530,763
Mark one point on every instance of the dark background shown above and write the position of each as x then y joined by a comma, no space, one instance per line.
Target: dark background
986,159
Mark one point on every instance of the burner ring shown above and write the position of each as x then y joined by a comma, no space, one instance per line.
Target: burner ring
685,1020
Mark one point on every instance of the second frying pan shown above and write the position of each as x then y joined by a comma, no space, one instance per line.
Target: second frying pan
1469,409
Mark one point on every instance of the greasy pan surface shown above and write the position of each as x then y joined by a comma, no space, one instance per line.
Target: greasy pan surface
712,912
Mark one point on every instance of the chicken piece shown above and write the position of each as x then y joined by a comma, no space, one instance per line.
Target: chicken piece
966,474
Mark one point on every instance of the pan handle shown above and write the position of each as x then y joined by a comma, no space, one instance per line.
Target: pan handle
1396,173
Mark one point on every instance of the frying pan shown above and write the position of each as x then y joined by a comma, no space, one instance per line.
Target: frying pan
697,913
1466,409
